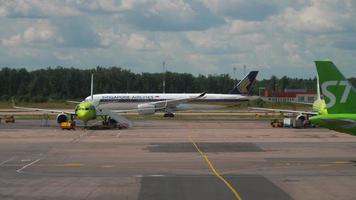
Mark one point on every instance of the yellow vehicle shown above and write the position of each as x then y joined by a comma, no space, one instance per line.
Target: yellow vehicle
276,123
69,125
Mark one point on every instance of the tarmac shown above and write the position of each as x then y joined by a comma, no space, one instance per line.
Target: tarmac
176,159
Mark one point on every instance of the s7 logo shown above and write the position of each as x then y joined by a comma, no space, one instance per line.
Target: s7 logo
331,96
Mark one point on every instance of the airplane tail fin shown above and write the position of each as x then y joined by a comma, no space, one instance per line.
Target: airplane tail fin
339,95
246,84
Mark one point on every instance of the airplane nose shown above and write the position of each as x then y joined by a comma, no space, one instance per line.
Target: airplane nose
81,114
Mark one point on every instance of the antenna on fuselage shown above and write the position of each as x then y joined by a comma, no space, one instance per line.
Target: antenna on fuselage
92,87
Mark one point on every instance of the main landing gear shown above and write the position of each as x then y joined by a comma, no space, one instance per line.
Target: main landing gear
168,114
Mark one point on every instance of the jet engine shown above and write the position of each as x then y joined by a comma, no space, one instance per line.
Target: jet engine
61,118
301,117
304,121
146,109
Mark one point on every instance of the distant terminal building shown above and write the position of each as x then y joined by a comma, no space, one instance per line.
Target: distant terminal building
290,95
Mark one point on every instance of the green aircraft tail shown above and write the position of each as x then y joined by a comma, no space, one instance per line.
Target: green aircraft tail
339,95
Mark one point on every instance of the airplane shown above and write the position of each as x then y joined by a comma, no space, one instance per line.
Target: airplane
150,103
89,109
318,107
340,99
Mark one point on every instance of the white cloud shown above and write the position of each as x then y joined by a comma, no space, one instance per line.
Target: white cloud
13,41
210,36
293,56
36,8
37,34
64,56
251,10
109,38
139,42
319,16
77,32
173,15
73,32
178,8
243,27
103,6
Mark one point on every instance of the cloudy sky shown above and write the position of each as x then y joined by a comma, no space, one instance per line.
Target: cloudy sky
201,37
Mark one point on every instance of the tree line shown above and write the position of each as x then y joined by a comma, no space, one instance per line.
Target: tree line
62,83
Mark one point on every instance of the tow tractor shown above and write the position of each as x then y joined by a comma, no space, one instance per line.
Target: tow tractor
10,119
69,125
291,123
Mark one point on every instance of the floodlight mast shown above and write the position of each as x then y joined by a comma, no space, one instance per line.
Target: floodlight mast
164,77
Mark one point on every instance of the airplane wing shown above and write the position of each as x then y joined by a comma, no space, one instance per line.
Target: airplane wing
75,102
284,111
304,103
136,110
174,102
121,120
44,110
160,105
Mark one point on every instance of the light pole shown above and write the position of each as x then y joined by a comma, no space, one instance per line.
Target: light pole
261,89
164,77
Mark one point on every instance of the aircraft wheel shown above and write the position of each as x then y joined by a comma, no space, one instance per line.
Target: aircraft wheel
168,115
112,123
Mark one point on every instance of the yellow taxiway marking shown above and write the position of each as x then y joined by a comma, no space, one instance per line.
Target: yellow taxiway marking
324,165
216,173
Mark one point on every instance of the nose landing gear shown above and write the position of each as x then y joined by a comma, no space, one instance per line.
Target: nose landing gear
168,114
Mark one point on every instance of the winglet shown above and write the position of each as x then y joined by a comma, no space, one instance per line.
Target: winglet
201,95
13,102
318,88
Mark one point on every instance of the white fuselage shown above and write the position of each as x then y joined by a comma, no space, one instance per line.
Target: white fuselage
132,100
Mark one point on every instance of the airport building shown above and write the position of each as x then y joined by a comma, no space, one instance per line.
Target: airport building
290,95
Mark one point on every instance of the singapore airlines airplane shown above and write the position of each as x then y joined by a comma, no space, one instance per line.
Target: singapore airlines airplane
171,102
91,108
